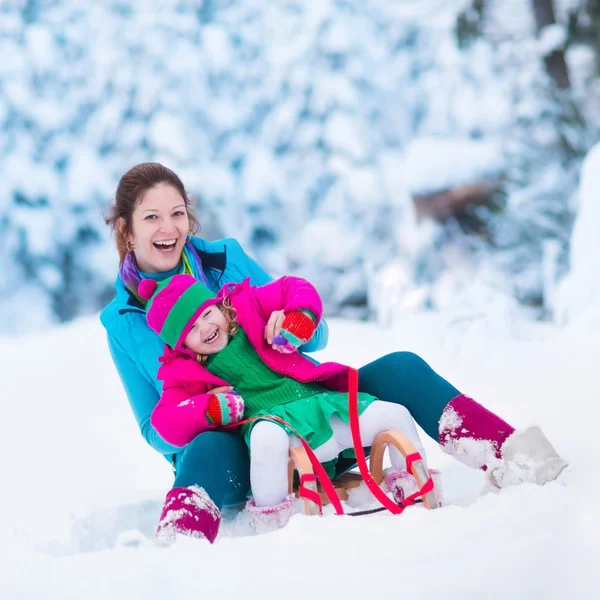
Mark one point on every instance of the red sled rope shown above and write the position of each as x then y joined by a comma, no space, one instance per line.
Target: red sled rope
361,460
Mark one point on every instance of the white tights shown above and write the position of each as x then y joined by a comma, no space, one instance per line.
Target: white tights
270,447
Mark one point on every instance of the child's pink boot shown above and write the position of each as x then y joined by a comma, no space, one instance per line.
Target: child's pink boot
188,511
401,484
264,519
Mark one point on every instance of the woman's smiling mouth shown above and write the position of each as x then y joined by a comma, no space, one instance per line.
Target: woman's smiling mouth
165,245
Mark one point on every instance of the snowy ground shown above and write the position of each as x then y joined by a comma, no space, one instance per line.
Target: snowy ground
78,478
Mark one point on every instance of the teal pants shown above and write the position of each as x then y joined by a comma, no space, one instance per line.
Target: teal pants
218,460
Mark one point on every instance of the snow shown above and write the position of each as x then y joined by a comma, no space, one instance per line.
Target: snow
552,37
433,164
261,177
342,135
167,134
581,286
312,124
82,490
40,44
276,114
319,240
216,42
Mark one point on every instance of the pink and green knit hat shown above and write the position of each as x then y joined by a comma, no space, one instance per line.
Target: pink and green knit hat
174,305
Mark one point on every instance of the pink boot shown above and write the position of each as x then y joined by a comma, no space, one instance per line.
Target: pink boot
401,484
471,433
480,439
270,518
188,511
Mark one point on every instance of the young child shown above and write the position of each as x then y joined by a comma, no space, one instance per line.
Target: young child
219,342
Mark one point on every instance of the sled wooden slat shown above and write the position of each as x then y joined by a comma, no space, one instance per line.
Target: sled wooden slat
402,443
299,461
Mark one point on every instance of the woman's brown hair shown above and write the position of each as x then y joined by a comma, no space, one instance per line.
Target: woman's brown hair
132,186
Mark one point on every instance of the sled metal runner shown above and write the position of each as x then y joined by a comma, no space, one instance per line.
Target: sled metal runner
300,461
306,463
312,473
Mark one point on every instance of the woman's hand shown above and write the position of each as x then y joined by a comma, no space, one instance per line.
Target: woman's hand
273,327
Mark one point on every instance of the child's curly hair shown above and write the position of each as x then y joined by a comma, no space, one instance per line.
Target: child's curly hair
233,324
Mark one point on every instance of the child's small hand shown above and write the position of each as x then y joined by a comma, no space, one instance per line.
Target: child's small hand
273,326
224,407
297,328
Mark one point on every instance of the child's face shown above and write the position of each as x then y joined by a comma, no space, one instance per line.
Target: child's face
209,333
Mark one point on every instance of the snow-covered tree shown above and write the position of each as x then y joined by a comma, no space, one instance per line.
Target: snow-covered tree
293,124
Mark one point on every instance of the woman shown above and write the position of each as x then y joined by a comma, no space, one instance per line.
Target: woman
153,222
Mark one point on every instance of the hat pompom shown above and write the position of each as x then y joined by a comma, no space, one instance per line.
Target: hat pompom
146,288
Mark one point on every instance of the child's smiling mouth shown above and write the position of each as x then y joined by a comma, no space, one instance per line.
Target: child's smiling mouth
211,338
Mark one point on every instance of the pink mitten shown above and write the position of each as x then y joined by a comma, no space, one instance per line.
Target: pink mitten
225,408
297,328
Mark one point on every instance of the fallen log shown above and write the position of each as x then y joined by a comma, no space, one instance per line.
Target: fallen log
443,204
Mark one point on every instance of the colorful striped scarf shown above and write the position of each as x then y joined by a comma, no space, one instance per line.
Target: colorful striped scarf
191,264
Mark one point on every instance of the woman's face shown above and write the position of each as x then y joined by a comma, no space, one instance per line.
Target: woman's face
159,228
209,333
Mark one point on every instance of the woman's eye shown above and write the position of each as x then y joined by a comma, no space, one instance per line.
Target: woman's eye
149,217
206,314
178,213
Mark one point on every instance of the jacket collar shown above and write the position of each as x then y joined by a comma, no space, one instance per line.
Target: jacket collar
210,260
213,260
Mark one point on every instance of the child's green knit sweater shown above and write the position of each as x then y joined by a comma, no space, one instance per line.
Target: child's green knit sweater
306,406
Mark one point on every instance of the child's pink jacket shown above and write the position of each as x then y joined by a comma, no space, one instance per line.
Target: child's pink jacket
180,414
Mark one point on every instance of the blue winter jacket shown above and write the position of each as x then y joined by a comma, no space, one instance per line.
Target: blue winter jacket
135,348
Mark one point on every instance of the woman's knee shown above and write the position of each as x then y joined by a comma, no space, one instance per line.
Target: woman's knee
393,370
214,439
223,446
407,362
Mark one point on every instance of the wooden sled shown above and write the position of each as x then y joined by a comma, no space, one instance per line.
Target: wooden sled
299,461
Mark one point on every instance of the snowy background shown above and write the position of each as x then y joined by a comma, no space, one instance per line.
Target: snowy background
307,130
82,491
